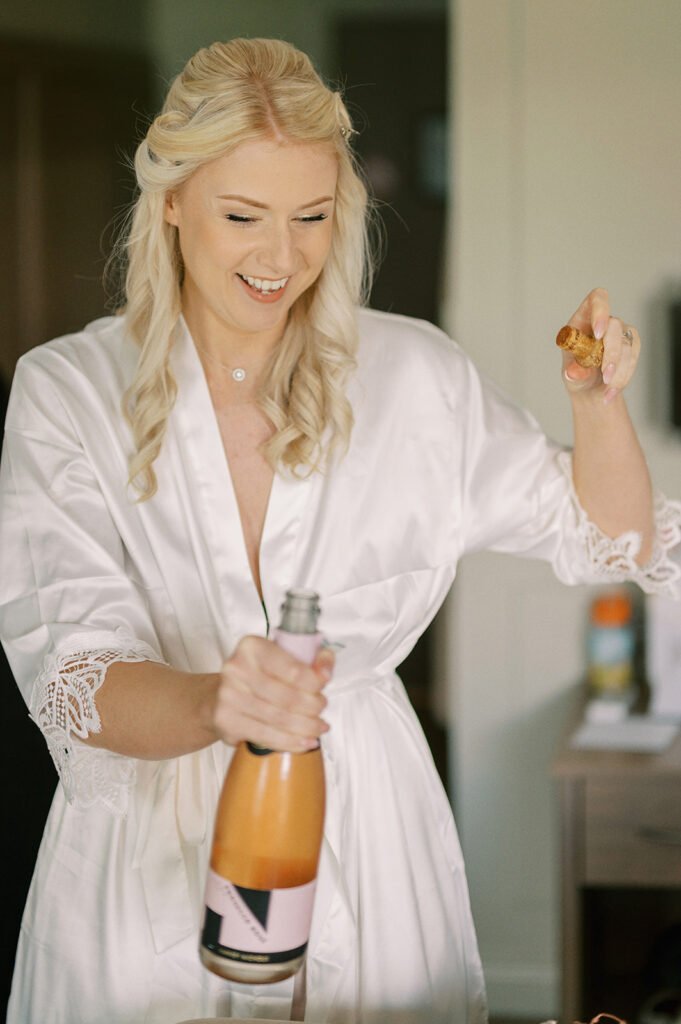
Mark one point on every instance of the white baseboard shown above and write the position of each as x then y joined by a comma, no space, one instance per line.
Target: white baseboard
523,991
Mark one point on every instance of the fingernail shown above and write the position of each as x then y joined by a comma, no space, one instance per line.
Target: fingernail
608,373
609,395
574,385
599,328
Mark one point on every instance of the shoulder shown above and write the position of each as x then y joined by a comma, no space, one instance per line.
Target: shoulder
395,331
102,345
84,371
404,349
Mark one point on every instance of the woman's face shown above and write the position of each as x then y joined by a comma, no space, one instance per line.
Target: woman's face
255,228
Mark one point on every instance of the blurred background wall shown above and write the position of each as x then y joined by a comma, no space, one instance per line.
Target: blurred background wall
564,174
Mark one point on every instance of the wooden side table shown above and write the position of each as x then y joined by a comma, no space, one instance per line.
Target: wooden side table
620,830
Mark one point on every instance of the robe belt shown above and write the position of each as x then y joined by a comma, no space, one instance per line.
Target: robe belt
174,803
352,683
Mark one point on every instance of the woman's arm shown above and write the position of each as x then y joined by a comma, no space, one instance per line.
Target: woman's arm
610,473
262,694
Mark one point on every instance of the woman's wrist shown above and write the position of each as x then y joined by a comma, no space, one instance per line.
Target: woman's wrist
207,687
610,474
590,404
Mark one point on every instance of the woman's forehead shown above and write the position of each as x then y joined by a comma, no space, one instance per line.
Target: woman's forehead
271,172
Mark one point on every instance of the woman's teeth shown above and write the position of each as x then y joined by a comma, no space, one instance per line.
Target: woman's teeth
264,286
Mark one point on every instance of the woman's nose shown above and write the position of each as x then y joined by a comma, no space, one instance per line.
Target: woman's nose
280,249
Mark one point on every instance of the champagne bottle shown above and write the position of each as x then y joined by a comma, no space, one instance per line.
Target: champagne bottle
268,833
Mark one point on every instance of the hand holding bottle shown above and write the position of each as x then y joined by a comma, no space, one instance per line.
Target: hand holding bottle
270,817
267,696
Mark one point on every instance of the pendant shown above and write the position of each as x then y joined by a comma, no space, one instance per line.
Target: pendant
238,375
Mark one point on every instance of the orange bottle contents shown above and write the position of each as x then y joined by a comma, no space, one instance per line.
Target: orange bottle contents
268,834
270,818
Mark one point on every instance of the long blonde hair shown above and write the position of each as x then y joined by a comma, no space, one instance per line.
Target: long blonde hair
227,94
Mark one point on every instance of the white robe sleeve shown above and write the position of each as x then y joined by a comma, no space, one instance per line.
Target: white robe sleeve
518,498
68,609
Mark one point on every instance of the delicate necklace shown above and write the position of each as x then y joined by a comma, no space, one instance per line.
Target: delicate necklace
238,373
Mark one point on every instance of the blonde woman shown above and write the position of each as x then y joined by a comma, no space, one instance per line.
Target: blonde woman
242,426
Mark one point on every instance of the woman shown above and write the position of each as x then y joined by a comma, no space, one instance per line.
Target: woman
170,472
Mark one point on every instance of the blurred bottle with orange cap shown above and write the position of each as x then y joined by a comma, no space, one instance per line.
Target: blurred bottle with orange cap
611,645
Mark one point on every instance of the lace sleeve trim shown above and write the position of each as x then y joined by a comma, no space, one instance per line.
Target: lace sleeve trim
63,708
613,559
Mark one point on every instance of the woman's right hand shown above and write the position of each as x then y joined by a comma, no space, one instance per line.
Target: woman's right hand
268,697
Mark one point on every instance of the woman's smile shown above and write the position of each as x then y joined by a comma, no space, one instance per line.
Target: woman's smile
263,290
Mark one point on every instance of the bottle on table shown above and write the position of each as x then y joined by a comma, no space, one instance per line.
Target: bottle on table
268,833
611,646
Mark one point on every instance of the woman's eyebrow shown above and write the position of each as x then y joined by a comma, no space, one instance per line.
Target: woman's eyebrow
263,206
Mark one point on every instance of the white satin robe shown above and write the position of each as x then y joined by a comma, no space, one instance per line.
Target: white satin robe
440,463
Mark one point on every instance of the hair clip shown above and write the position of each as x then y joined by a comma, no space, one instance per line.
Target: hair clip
347,133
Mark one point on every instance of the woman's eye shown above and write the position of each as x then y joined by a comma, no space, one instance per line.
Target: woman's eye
240,218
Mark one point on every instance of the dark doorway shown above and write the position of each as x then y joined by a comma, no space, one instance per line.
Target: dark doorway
394,74
71,115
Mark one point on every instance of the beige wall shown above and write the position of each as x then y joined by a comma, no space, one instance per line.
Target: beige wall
566,163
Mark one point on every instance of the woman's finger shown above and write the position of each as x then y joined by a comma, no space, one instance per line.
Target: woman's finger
576,377
621,350
256,655
243,688
592,314
289,721
245,728
243,713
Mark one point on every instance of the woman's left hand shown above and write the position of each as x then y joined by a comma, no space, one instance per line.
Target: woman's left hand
621,348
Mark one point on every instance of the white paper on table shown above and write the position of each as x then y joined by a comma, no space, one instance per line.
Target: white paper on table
636,733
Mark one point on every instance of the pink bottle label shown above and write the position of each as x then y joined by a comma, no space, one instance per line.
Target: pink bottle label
256,925
303,646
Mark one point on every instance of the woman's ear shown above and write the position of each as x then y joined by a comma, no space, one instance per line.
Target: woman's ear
170,208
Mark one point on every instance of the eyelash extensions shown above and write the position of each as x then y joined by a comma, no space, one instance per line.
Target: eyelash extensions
237,218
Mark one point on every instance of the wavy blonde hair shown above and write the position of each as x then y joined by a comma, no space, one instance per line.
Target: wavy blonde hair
227,94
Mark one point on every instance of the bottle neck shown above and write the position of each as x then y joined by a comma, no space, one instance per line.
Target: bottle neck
299,612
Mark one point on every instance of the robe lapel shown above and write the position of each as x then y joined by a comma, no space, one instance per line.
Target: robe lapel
225,571
225,561
282,536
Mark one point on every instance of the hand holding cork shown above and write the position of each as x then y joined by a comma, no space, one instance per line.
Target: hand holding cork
600,351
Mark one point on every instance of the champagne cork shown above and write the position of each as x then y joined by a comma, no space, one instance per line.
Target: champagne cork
588,351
